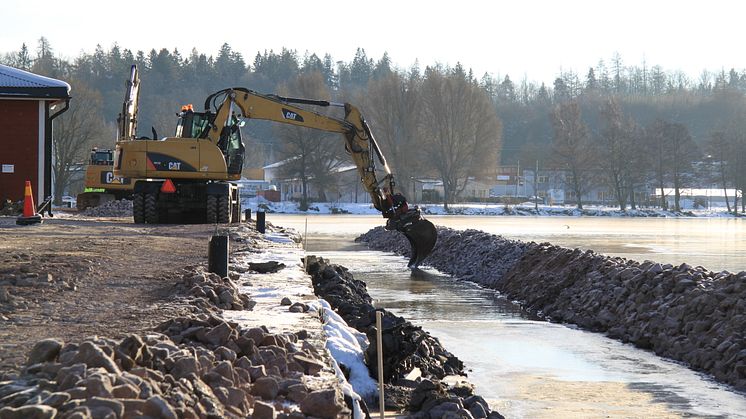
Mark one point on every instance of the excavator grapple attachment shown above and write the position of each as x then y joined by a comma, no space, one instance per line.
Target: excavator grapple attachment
420,232
422,236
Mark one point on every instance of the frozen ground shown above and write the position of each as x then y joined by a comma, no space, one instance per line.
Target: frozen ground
526,208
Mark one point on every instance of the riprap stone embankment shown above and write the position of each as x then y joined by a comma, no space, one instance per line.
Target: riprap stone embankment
685,313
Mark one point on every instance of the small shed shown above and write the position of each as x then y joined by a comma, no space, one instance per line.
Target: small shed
28,105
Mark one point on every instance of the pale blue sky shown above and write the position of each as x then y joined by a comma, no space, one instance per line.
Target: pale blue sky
533,38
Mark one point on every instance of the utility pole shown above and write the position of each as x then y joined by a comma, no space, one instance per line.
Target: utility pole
517,179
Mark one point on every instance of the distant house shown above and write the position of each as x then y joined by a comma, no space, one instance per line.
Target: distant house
343,186
477,190
431,191
29,103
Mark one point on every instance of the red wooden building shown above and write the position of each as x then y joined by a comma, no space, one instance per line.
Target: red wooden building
28,105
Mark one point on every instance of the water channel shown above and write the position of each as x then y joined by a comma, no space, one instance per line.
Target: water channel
529,368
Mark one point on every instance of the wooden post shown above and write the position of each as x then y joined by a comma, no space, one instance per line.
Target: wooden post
379,350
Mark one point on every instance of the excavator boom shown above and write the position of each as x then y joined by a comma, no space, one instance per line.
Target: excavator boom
359,143
190,173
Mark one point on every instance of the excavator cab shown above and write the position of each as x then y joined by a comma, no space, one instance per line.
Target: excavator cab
191,124
102,157
196,125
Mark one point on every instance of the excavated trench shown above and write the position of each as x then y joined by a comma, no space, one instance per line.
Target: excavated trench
685,313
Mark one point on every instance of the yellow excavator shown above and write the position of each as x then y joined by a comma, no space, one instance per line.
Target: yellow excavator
188,176
101,185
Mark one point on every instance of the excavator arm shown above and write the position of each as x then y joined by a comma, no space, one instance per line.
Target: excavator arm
358,140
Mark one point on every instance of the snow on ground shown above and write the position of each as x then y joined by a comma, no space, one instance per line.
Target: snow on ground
347,346
526,208
268,289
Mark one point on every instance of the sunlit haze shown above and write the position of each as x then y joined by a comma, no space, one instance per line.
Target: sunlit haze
535,39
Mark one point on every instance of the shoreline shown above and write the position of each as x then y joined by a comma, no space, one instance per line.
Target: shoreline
487,209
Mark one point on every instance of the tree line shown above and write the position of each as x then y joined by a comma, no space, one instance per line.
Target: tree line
623,125
610,147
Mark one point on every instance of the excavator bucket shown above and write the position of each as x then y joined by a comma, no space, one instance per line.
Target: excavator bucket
422,236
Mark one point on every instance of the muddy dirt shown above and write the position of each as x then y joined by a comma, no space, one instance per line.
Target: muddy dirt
73,277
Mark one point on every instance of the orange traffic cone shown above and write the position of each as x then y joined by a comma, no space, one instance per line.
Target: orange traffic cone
29,210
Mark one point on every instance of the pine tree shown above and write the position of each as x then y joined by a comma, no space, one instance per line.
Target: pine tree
23,59
361,68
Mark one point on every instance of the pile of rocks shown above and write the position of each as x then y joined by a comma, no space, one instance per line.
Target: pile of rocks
119,208
685,313
206,289
192,367
406,348
688,314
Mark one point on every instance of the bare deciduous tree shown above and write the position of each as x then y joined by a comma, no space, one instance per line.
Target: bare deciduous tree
391,106
673,150
639,167
656,146
572,148
312,155
618,152
75,132
683,151
461,133
718,148
736,162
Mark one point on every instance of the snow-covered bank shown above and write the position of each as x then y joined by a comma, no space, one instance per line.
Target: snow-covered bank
688,314
525,209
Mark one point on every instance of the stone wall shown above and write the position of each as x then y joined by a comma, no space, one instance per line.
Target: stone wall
685,313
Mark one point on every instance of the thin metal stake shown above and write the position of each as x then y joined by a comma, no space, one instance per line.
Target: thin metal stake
305,248
305,236
379,349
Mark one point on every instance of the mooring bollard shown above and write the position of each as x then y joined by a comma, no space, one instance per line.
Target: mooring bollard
248,214
217,255
260,221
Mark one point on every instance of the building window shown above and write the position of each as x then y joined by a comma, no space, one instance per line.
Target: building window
542,179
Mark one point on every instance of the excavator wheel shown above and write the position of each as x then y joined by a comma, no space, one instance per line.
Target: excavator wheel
138,208
224,209
212,209
151,208
422,236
